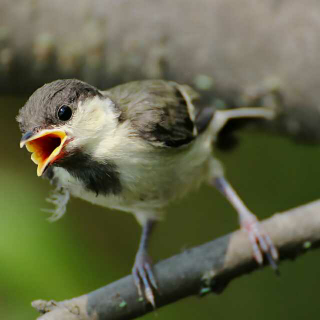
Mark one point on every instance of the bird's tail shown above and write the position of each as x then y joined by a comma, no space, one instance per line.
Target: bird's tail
222,117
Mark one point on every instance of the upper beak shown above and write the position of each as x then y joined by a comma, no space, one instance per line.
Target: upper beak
46,147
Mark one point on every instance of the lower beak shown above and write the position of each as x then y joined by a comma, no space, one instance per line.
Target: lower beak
46,147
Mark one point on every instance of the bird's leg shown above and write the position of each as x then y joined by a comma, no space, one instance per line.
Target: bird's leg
261,242
142,270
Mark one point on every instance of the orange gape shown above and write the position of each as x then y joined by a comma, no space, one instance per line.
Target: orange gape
45,147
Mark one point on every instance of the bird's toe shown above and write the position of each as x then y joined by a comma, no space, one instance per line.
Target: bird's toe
261,243
144,278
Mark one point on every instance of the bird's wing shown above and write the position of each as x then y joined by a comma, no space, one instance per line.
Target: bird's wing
162,112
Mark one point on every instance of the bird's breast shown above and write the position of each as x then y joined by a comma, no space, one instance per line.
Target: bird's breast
137,181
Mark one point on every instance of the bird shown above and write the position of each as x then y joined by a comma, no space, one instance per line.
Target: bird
135,148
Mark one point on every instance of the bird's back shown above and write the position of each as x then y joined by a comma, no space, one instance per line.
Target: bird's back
162,112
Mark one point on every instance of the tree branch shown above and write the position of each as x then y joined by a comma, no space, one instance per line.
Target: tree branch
197,271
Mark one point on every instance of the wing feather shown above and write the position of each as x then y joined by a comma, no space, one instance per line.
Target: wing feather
162,112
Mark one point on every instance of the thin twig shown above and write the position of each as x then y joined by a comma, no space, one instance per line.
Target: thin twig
197,271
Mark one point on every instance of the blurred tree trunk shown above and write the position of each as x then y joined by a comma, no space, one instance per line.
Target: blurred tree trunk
235,52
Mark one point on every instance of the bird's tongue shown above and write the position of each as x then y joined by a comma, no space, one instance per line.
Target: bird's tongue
46,147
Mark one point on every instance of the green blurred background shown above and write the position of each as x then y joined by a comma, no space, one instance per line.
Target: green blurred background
91,246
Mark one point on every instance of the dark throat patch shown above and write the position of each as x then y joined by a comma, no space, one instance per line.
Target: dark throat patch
99,177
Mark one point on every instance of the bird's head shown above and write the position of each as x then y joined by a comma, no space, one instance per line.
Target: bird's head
63,118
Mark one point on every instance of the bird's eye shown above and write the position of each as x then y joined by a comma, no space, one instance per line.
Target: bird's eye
64,113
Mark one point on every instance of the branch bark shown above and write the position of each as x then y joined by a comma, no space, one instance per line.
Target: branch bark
197,271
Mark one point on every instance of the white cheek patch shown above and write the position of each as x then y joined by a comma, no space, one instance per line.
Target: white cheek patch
93,119
94,114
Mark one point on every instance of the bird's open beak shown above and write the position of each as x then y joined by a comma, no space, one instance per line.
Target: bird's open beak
46,147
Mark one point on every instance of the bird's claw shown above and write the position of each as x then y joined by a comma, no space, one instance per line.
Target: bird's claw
261,243
144,278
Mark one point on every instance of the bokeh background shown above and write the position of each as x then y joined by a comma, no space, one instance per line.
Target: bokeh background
91,246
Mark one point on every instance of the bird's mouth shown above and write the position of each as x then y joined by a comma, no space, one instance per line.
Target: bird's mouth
46,147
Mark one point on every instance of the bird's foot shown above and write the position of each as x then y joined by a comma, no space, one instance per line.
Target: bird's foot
261,242
144,278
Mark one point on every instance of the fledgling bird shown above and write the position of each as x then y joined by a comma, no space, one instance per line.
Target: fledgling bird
135,148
